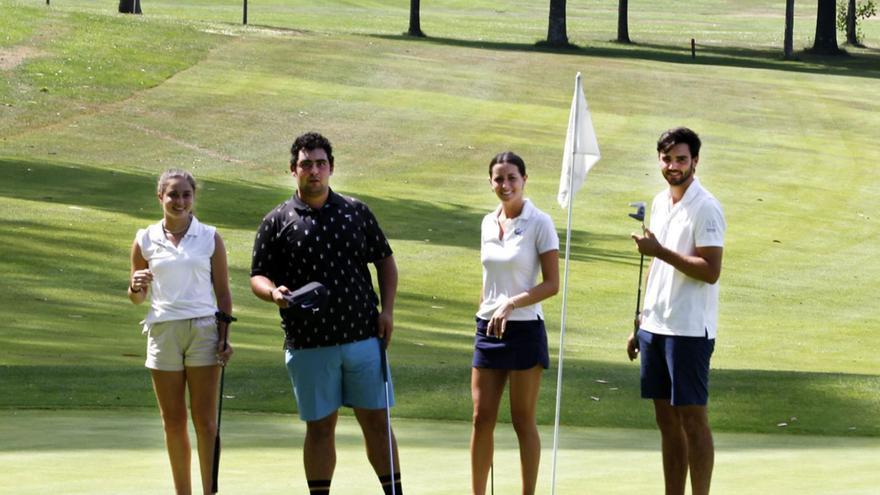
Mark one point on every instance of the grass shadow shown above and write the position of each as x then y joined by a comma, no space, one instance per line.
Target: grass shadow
866,63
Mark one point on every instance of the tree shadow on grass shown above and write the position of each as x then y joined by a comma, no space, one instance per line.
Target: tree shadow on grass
242,205
863,64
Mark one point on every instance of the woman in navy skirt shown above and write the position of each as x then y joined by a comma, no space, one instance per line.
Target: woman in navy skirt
519,242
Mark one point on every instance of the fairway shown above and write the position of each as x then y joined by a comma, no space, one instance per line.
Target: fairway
121,452
94,105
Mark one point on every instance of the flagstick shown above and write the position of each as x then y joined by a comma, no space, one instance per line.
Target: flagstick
574,147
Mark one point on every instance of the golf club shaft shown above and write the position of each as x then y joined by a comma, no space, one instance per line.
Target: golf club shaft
215,470
492,478
639,294
383,356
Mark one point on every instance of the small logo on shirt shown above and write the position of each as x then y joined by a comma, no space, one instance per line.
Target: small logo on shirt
518,231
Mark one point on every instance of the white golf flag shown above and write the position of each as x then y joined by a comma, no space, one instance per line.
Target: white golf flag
581,148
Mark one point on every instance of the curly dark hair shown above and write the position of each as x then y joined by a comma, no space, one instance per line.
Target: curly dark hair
508,157
310,141
679,135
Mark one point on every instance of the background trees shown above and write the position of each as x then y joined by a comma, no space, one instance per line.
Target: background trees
556,32
415,25
825,42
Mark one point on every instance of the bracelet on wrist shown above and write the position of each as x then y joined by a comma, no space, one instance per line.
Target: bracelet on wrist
224,317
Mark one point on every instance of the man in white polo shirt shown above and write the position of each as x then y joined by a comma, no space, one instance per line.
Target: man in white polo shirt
676,331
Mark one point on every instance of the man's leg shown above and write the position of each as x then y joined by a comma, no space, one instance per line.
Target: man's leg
375,428
319,453
700,448
674,446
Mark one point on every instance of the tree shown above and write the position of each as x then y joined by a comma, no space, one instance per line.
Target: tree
851,37
622,22
789,29
556,33
849,17
130,7
415,24
825,42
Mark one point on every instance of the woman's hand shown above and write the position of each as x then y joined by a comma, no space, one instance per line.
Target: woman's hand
498,323
140,280
224,348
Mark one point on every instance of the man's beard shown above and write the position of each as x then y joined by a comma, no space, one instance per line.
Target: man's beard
678,180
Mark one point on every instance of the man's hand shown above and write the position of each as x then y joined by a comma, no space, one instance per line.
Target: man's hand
647,243
385,327
632,346
278,296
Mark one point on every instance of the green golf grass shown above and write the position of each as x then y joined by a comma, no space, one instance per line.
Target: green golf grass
98,104
121,452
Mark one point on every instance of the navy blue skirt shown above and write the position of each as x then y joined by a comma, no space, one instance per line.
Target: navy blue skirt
524,345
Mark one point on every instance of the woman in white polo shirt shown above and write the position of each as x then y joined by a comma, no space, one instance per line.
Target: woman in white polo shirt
519,242
181,263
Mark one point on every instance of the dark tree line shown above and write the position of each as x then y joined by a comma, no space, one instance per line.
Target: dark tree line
130,7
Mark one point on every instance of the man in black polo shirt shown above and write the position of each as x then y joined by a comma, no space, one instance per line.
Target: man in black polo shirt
333,354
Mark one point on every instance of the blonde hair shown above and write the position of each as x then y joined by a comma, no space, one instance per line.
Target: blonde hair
174,173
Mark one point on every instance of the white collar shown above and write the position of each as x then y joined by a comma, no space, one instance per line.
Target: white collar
157,231
527,211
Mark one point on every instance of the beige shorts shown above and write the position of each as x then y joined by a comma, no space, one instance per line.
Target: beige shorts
174,345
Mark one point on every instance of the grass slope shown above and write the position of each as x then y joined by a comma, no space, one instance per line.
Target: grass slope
790,150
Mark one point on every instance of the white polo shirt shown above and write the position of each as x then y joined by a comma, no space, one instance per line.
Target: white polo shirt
182,287
676,304
511,265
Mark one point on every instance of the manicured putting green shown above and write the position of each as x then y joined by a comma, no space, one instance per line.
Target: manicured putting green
121,452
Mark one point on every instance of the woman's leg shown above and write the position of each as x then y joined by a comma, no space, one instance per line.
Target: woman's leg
524,387
487,385
203,384
170,387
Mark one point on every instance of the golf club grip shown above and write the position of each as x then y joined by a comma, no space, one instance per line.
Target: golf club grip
383,358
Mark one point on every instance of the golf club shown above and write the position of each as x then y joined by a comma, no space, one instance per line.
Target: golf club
384,363
640,216
215,470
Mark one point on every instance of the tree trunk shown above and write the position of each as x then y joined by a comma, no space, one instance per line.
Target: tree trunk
622,22
825,42
415,23
789,30
130,7
851,37
556,33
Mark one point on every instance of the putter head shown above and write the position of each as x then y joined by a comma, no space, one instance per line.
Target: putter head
307,301
640,211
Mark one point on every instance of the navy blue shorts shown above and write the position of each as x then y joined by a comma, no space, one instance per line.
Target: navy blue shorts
524,345
675,368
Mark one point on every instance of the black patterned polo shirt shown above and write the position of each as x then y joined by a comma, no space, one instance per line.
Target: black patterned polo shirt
297,244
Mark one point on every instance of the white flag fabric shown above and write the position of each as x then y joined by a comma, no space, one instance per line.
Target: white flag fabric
581,149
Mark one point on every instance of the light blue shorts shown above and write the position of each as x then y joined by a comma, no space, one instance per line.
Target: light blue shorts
327,378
